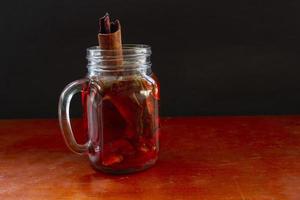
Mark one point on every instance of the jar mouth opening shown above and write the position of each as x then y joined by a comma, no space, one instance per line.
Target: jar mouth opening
127,51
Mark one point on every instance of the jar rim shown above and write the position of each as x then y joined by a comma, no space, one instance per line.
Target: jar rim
133,56
126,50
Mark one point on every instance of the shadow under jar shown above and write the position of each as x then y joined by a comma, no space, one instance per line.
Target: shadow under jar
120,97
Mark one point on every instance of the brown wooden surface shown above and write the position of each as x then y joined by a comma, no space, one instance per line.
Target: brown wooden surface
253,158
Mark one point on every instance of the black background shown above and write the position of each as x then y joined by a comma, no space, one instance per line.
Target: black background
212,57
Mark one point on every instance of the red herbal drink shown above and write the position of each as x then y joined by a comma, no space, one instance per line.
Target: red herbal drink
129,116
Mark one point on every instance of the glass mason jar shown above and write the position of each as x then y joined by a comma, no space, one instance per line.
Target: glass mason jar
120,103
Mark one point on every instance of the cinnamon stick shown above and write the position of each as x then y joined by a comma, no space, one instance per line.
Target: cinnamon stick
109,38
130,107
128,139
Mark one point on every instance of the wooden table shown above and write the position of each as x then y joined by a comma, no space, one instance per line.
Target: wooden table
244,158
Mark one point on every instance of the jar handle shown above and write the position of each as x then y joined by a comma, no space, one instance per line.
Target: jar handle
64,116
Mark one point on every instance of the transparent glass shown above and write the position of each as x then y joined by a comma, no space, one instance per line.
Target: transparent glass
120,97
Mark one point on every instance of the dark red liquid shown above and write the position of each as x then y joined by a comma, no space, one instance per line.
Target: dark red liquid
129,116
